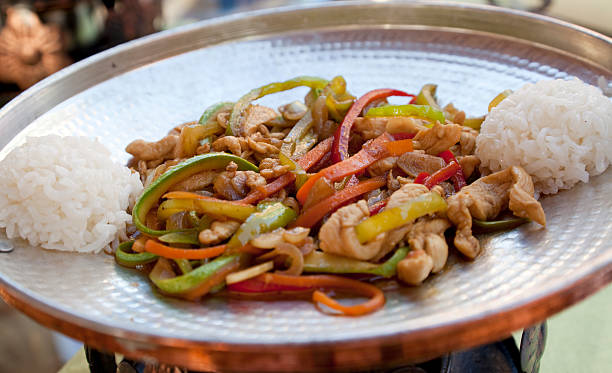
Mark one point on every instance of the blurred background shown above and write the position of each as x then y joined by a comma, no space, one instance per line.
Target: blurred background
40,37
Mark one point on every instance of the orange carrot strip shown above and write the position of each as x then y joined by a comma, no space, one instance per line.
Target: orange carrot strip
155,247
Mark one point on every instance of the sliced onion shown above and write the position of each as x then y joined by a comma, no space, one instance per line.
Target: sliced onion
248,273
294,254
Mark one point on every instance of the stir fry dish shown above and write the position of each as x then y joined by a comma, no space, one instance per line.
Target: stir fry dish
325,194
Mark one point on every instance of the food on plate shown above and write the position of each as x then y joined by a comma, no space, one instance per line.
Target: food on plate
558,131
65,193
263,201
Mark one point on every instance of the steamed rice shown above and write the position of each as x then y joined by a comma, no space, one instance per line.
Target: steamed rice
65,193
558,131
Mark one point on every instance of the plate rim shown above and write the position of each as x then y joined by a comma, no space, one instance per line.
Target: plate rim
598,273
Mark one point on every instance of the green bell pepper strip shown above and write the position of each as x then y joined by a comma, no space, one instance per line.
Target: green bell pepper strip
189,237
233,127
498,225
182,171
474,123
396,217
132,259
186,283
424,111
318,261
427,96
211,112
192,135
274,216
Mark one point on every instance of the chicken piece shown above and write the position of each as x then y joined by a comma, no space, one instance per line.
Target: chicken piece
262,147
486,198
468,164
254,116
148,151
415,267
219,231
381,166
270,168
198,181
414,163
234,185
467,141
455,115
428,234
230,143
371,127
337,235
406,193
438,138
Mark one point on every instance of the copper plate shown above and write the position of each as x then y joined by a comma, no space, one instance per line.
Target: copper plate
141,89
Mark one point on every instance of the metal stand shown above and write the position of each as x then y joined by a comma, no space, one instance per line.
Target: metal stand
499,357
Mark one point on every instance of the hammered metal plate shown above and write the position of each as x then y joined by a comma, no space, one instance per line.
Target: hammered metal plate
142,94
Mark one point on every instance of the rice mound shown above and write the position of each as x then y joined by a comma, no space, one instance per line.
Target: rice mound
558,131
65,193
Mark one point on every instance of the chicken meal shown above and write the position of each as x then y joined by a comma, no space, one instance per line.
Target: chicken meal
321,196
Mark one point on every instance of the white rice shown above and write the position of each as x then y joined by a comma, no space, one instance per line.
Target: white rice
558,131
65,193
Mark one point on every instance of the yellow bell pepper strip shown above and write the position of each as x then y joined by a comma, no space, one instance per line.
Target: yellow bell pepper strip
422,111
498,225
310,159
157,248
128,259
396,217
207,126
272,282
318,261
233,127
341,137
427,96
474,123
184,265
337,100
315,213
499,98
197,282
151,195
294,168
380,147
299,130
274,216
187,201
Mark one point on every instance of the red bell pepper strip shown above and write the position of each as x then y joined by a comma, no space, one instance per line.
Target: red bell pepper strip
403,135
342,135
306,162
459,178
371,152
441,175
420,179
375,208
316,212
270,282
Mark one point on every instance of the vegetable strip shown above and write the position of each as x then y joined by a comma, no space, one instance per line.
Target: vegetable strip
156,248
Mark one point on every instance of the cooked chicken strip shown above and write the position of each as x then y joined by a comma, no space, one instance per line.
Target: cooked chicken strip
371,127
438,138
415,267
486,198
428,234
254,116
198,181
148,151
413,163
219,231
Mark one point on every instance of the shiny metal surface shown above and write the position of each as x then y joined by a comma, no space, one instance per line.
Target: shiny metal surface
137,91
